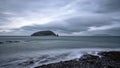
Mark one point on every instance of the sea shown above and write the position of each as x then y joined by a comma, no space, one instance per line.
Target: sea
30,52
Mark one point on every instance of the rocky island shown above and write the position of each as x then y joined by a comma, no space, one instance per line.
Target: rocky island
44,33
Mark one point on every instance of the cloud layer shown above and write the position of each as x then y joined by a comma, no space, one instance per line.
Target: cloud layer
66,17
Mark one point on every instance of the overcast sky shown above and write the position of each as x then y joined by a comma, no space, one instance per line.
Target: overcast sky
65,17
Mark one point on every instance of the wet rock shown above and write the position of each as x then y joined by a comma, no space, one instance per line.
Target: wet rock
26,63
16,41
89,57
62,64
89,61
11,41
1,42
113,55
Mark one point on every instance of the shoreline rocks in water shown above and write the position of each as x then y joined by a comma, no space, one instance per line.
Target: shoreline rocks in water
9,41
105,60
44,33
1,42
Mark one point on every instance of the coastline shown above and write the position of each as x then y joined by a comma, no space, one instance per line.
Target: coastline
65,59
109,59
54,52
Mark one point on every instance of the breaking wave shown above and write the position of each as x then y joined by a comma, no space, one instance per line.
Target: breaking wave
37,58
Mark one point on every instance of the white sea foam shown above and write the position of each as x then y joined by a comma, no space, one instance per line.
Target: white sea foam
35,51
38,58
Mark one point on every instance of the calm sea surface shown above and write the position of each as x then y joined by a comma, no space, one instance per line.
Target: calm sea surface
43,50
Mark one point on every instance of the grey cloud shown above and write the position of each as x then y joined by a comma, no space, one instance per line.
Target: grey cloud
71,25
25,5
109,32
21,8
109,6
97,20
88,13
114,31
4,19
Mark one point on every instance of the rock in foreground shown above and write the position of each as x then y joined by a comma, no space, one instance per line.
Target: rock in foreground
107,60
44,33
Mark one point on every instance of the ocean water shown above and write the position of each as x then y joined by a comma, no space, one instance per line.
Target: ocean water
29,52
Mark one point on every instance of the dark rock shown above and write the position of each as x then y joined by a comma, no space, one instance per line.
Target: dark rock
26,63
89,57
16,41
62,64
89,61
11,41
44,33
1,42
113,55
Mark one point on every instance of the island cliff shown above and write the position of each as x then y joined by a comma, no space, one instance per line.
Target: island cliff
44,33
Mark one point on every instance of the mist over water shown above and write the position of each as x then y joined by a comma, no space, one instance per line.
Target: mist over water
33,51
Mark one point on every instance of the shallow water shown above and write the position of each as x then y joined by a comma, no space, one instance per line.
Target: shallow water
34,51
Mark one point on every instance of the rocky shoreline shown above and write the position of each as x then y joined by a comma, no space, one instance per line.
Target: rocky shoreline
109,59
9,41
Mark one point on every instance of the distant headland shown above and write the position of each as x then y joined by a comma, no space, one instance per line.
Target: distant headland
44,33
